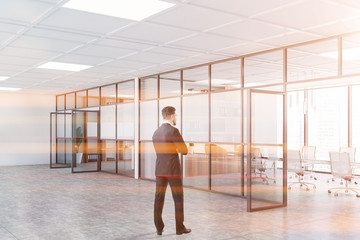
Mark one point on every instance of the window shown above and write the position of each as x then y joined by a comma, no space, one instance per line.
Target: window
170,85
93,97
295,120
226,117
328,120
149,88
226,75
196,118
196,80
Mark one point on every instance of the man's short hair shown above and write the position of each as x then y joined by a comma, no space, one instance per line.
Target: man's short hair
168,111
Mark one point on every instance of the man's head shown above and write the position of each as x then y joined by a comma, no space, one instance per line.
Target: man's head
169,114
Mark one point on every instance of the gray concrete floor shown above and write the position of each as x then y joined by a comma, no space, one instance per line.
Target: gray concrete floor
39,203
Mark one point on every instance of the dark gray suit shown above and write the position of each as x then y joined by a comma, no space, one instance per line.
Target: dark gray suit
168,143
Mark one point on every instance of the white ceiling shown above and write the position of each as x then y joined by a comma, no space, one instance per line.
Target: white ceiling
33,32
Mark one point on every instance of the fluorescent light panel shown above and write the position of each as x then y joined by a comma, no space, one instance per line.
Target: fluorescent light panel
9,89
3,78
129,9
64,66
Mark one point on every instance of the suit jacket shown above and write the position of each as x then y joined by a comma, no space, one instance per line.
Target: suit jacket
168,143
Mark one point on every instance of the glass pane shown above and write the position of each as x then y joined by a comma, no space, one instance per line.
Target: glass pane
196,80
126,158
350,54
356,121
264,69
295,120
126,92
70,101
108,95
125,121
174,102
60,102
107,116
149,88
147,160
148,119
89,151
266,176
226,117
60,125
108,160
226,168
196,165
226,75
196,118
328,122
92,124
170,84
267,118
81,100
316,60
93,97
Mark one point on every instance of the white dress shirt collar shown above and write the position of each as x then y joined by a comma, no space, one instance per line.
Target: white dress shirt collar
166,121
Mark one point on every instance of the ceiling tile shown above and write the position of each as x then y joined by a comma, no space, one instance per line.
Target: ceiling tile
11,28
127,64
81,59
19,60
123,44
207,42
26,52
241,7
152,57
24,11
102,51
174,51
5,36
44,44
290,38
245,30
59,35
316,12
83,21
337,28
243,49
150,32
192,17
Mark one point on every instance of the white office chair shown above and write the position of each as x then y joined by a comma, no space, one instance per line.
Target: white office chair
308,154
260,167
295,165
352,152
341,167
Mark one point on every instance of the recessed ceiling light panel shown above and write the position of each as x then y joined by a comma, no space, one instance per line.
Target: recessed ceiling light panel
129,9
9,89
3,78
64,66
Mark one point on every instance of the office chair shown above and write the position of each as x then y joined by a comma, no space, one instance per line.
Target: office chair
260,165
295,165
341,167
351,151
308,154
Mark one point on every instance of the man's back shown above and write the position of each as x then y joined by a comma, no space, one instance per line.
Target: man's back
168,143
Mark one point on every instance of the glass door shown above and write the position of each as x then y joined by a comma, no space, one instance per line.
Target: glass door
60,140
86,141
266,158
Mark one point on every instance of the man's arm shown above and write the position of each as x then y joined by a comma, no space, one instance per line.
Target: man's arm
179,142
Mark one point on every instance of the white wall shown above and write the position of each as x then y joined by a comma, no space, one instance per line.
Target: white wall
25,128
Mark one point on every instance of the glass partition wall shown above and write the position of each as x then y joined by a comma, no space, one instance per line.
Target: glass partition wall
95,127
318,79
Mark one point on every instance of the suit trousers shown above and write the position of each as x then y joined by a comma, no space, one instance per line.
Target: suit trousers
178,196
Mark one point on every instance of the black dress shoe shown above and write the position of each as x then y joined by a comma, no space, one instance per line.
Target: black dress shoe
160,232
185,230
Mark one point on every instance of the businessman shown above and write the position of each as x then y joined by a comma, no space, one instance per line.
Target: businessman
168,143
